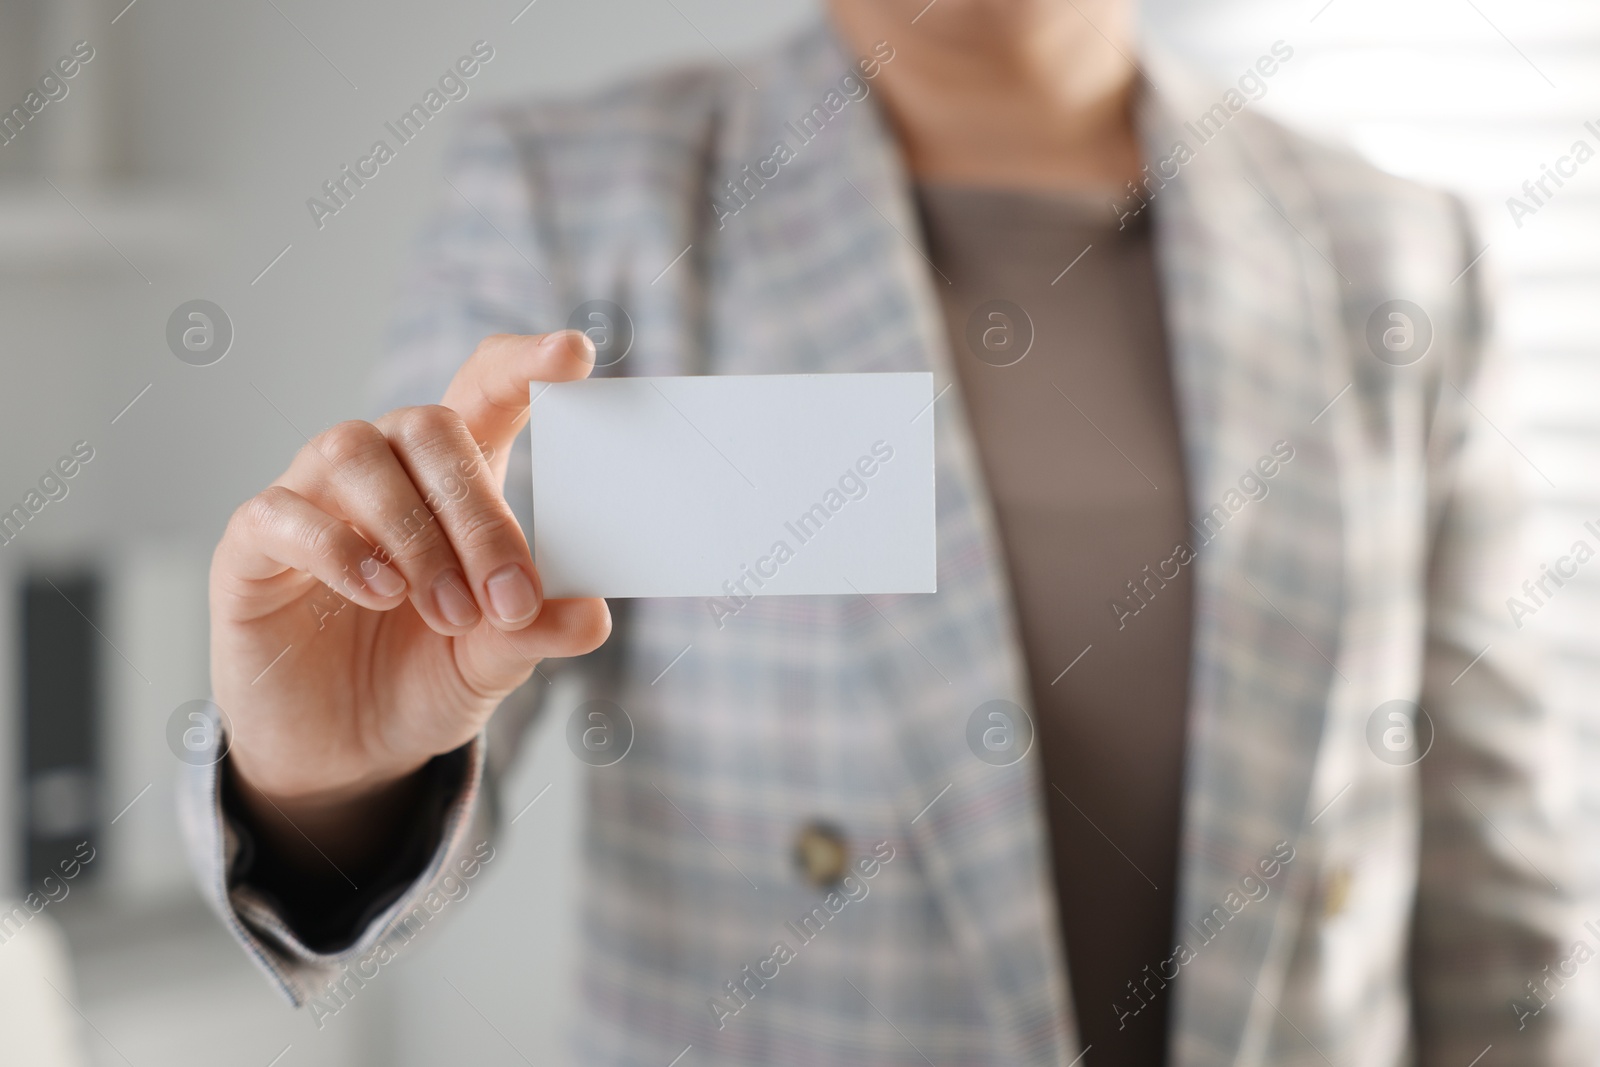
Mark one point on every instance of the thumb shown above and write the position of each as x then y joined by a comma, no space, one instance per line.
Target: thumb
490,391
493,662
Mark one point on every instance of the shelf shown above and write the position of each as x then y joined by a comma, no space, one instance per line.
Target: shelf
46,230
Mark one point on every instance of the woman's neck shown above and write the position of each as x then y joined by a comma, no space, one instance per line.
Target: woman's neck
1005,93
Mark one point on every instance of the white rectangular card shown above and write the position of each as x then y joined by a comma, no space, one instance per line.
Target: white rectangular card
721,486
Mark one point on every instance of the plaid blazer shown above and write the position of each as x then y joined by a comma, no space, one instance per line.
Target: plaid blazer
1418,900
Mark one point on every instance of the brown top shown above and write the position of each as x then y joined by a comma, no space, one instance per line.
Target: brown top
1055,320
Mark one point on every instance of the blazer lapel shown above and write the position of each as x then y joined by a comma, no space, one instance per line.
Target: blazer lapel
1249,299
830,248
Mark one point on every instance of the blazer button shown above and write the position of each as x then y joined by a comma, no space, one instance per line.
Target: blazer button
1336,893
820,854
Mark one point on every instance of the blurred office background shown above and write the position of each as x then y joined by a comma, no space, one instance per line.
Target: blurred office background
177,167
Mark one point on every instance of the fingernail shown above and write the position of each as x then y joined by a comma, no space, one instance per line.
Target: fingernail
450,596
512,595
382,579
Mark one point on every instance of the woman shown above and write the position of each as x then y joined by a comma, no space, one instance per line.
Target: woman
1213,506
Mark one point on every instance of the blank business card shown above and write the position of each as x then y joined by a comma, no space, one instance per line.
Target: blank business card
734,486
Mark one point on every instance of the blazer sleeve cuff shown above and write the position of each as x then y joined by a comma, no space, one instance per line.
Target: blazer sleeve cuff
324,960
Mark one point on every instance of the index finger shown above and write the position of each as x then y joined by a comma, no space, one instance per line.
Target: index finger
490,391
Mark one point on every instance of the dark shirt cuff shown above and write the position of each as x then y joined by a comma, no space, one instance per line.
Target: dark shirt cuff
328,914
